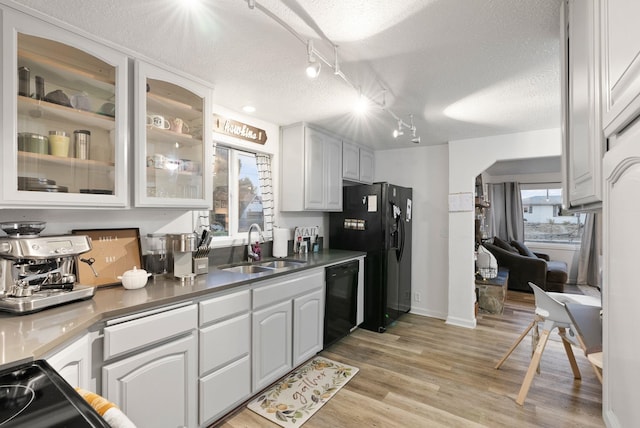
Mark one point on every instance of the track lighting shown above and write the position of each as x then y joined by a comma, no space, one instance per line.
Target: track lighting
315,58
401,124
313,69
398,132
313,66
362,103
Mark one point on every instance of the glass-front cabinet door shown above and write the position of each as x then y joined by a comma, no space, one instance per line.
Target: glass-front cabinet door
64,118
173,140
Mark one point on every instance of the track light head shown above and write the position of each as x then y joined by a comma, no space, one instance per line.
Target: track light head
415,140
313,69
313,66
398,132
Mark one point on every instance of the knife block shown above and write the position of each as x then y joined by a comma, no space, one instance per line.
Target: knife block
200,265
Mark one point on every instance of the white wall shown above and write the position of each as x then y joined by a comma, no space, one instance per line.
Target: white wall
467,159
425,169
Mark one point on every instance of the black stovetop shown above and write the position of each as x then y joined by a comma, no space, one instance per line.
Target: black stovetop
34,395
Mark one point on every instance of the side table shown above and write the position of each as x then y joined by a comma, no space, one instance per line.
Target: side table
492,292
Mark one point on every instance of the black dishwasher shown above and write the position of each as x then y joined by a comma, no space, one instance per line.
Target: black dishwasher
340,301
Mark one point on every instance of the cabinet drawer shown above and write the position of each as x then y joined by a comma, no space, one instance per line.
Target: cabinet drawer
224,389
224,342
122,338
224,306
280,289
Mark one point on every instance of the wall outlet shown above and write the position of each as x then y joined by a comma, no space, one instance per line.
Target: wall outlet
416,297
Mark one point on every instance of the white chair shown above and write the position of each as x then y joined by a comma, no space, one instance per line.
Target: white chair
550,310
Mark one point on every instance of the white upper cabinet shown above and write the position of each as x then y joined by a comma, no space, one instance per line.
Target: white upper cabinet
620,294
620,63
64,117
350,161
172,114
583,140
311,170
357,163
367,165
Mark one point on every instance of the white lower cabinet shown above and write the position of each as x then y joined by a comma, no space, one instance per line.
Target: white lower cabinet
225,358
272,340
188,365
308,325
155,381
223,389
287,324
73,363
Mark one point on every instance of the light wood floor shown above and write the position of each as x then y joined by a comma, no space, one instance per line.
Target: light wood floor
425,373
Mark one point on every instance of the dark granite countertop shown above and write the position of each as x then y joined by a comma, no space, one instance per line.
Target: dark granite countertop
33,336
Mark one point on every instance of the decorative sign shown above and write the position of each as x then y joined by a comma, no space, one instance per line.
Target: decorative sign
233,128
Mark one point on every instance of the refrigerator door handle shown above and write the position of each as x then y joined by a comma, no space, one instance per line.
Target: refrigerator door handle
401,233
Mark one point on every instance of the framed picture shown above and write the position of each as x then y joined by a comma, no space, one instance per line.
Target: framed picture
114,251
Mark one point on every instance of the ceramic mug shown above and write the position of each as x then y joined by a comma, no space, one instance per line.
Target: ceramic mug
179,126
158,121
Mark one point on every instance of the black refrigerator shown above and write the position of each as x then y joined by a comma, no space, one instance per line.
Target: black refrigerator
376,219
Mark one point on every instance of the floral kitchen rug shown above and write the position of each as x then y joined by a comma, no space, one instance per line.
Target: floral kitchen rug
294,399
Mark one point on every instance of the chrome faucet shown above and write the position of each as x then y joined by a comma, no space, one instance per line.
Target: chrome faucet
251,255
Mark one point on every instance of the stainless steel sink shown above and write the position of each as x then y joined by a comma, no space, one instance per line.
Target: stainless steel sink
247,269
282,264
264,267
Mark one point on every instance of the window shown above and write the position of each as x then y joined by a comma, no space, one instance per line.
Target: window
544,220
241,191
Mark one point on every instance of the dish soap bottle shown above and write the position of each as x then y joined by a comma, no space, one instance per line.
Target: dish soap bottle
257,251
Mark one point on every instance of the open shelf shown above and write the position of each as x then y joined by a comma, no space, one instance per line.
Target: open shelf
64,161
67,62
40,109
160,172
166,136
158,103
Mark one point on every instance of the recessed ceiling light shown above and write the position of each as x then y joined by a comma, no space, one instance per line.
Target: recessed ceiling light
249,109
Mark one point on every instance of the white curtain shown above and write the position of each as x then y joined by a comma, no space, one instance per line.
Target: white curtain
506,220
590,250
263,163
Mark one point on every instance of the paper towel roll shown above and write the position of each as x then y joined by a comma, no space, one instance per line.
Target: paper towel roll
280,238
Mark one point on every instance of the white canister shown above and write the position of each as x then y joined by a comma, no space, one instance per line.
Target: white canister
280,241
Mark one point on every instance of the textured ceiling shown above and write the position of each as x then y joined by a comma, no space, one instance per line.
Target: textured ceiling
463,68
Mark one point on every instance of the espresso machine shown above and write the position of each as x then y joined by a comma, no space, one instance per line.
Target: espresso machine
37,272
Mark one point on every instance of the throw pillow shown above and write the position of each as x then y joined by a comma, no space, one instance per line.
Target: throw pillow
504,245
523,249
